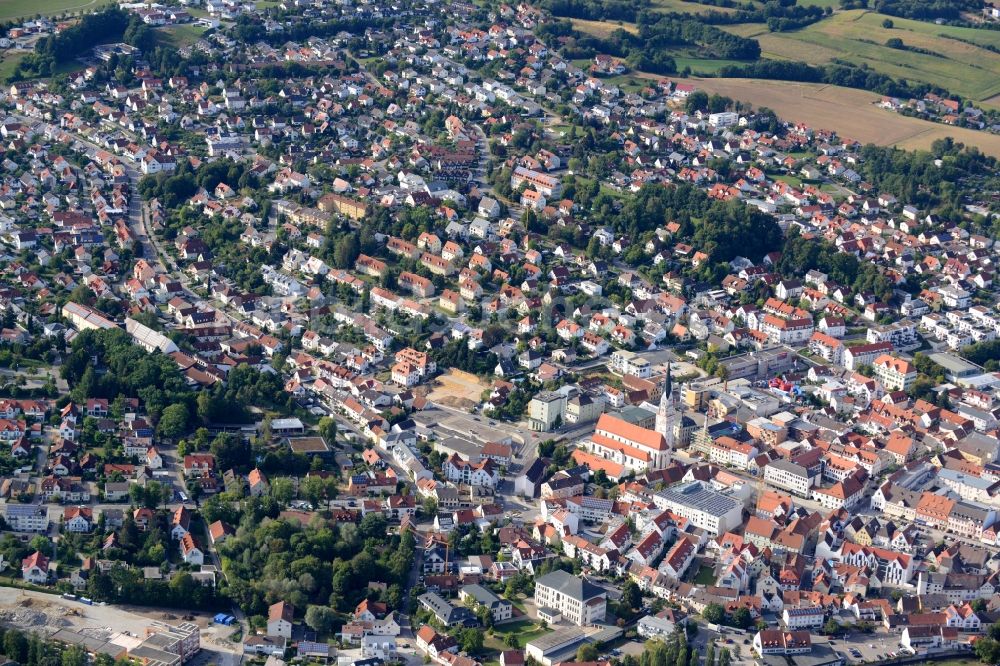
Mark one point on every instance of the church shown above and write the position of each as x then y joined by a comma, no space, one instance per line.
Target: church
637,449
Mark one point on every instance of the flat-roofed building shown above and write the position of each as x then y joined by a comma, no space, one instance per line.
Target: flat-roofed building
706,508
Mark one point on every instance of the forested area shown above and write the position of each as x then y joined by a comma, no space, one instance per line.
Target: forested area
596,10
801,254
721,229
30,649
838,75
321,564
658,34
926,178
126,585
658,31
917,9
125,369
779,16
986,354
248,30
173,189
108,25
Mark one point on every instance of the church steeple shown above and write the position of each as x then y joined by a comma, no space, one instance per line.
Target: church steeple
666,414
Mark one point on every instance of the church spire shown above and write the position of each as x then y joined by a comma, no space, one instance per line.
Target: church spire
665,415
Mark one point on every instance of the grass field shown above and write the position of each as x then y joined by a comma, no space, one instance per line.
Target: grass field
179,36
851,113
13,9
703,66
7,64
523,632
953,58
601,29
682,7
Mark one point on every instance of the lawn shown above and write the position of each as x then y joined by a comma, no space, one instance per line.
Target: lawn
952,58
14,9
706,576
524,632
794,181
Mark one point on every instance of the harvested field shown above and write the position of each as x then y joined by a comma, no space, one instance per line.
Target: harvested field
849,112
457,389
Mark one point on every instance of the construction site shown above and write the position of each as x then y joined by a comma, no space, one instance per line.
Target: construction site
157,637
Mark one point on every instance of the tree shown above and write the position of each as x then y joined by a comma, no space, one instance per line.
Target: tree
714,613
988,650
321,619
696,101
741,618
346,251
831,627
282,490
231,451
471,641
173,422
15,645
631,595
313,489
725,658
710,654
328,429
587,652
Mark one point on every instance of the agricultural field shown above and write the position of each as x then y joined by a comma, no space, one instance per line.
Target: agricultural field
851,113
956,59
965,61
16,9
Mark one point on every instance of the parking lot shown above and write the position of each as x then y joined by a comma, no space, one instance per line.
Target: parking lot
860,648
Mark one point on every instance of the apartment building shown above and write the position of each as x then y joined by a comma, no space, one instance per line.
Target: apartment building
894,373
540,182
624,362
788,476
27,517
